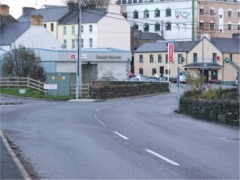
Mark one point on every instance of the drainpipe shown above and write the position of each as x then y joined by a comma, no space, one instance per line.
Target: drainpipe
193,21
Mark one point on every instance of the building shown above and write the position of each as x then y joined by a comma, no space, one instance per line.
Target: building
173,20
219,18
205,55
101,27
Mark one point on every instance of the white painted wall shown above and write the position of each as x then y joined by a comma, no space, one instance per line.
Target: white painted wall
38,37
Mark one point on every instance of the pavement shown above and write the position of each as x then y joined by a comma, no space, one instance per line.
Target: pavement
10,166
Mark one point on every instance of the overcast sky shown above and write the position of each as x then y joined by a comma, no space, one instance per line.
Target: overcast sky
16,5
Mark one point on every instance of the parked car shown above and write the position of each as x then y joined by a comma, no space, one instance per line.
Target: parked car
133,79
108,79
155,79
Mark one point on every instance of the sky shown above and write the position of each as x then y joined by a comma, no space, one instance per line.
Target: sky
16,5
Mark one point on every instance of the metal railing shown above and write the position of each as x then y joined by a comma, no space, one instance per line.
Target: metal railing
83,90
22,82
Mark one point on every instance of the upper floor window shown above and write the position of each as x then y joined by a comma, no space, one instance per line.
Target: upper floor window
168,12
45,25
239,13
211,26
157,13
229,13
135,26
168,26
82,43
90,28
214,57
73,29
229,26
52,27
82,28
159,58
65,43
157,27
194,57
140,58
166,58
90,42
201,11
73,44
201,25
135,14
64,30
146,27
212,12
180,58
146,13
151,58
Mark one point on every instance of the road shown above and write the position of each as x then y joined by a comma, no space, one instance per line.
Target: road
129,138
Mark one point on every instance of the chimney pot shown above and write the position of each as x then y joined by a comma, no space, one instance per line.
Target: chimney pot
4,10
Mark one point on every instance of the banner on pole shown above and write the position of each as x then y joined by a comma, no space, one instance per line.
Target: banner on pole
170,52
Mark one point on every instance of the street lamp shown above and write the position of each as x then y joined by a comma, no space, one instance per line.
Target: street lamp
79,62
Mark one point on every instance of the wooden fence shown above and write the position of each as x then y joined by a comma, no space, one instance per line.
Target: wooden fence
84,90
21,82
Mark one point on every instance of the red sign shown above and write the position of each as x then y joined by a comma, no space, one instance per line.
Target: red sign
73,56
170,52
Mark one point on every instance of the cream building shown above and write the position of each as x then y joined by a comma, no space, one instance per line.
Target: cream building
204,56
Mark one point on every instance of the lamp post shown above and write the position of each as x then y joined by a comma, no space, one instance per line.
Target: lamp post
79,62
202,56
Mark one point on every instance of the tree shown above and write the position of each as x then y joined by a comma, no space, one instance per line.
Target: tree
90,3
23,62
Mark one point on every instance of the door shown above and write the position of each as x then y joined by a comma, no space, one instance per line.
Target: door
161,70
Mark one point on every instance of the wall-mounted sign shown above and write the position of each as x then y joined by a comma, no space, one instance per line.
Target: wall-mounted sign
106,57
182,14
50,86
74,56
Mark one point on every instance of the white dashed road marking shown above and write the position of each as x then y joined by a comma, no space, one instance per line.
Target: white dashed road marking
120,135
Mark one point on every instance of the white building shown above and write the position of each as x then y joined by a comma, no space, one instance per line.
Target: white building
173,20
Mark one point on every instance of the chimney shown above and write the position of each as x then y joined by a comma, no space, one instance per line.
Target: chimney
26,9
4,10
36,20
71,6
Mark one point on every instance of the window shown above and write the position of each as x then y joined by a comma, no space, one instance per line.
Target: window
168,26
194,57
82,28
180,58
146,27
140,70
214,74
125,15
220,16
166,58
168,12
201,26
82,43
229,13
159,58
65,43
73,44
229,26
135,26
214,57
64,30
73,29
135,14
45,25
157,13
238,27
135,1
90,42
140,58
211,26
239,14
151,58
90,28
166,71
154,71
52,27
230,56
220,30
146,13
201,11
212,12
157,27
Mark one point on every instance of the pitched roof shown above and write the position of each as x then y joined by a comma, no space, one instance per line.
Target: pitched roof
7,19
12,31
179,46
138,34
49,14
227,45
88,16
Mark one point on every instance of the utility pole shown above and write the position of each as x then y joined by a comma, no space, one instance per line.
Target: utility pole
202,55
79,62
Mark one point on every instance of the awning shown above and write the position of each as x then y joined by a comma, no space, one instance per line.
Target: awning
205,65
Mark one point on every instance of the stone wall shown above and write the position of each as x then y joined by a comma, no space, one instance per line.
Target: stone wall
116,89
226,111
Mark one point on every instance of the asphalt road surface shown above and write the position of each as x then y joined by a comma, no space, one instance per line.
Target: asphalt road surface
129,138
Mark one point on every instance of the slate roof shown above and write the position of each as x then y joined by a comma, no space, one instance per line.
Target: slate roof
7,19
227,45
179,46
11,32
88,16
146,35
49,14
